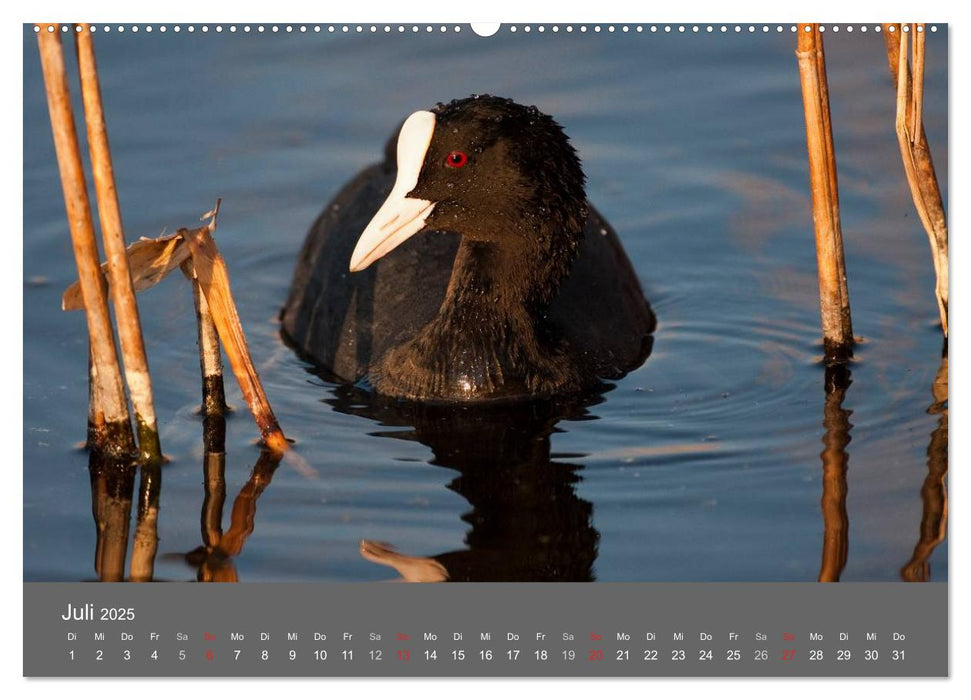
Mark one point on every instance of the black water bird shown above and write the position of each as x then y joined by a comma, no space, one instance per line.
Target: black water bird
534,296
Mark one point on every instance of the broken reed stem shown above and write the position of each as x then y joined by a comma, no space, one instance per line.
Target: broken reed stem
110,412
834,297
916,155
119,275
210,357
210,269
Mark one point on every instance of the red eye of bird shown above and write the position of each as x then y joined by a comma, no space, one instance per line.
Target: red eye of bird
456,159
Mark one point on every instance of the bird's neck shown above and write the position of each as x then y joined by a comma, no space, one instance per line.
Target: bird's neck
490,338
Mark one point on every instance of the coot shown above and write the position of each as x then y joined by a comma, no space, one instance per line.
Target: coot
470,267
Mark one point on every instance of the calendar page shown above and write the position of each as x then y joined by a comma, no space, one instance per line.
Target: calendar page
625,343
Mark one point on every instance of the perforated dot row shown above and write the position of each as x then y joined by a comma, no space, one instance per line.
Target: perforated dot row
263,29
428,28
702,28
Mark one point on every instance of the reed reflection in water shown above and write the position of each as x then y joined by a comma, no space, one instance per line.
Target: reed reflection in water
933,492
836,522
112,489
835,458
526,521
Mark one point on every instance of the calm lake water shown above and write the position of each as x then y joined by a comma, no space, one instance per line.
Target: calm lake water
702,465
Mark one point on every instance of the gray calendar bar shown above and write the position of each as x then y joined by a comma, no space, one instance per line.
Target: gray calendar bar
524,629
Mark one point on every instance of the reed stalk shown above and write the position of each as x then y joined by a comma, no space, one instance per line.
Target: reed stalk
119,275
916,154
210,357
213,278
834,296
111,426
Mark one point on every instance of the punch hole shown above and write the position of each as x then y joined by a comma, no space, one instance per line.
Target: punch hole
485,28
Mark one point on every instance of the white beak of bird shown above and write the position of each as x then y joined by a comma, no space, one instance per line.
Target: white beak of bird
401,216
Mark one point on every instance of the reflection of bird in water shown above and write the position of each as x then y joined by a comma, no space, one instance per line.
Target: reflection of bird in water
526,521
